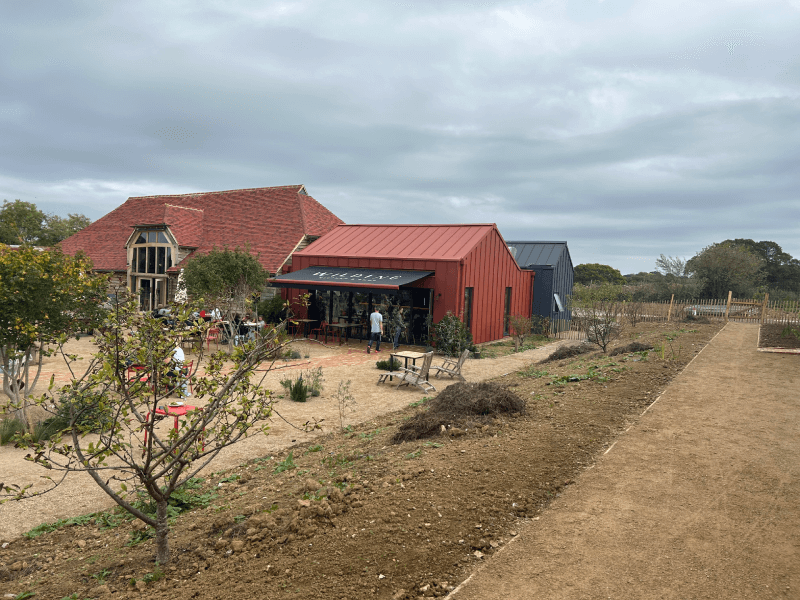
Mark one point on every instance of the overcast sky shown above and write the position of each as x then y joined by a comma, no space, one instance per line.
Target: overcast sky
628,128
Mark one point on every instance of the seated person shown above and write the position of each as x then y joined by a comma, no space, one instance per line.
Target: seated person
177,373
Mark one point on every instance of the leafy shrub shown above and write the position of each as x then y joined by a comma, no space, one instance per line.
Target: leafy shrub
296,388
89,412
540,325
272,310
452,335
9,428
390,364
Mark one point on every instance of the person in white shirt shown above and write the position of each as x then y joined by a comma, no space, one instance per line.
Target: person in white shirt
376,322
176,372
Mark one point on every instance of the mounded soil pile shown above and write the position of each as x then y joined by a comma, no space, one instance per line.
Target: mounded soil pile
632,347
771,336
460,407
570,351
351,515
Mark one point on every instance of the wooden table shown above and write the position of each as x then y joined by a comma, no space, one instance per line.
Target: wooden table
305,323
407,355
341,327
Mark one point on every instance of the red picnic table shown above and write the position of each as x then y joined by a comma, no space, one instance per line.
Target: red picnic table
172,410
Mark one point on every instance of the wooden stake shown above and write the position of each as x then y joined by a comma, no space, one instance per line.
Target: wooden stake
728,306
669,313
764,309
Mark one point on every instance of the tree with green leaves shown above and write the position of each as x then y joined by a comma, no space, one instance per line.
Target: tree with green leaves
225,279
675,266
128,454
594,273
20,223
780,270
727,267
23,223
58,228
46,296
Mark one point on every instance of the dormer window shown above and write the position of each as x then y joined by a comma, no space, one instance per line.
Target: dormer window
152,253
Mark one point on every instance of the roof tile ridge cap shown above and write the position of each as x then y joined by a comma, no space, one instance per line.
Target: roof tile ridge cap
302,205
183,207
271,187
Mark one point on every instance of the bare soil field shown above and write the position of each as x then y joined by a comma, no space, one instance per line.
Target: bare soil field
772,336
353,514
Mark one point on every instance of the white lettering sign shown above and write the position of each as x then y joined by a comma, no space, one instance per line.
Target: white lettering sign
361,276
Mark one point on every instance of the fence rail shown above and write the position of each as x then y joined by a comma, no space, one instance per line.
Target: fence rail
782,312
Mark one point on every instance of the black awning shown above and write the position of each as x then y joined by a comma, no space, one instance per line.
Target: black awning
347,279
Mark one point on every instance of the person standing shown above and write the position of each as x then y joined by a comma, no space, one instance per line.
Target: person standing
376,329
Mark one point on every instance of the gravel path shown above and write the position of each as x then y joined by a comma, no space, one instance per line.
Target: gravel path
697,500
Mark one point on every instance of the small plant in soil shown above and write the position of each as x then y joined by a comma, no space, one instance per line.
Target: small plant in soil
286,465
345,402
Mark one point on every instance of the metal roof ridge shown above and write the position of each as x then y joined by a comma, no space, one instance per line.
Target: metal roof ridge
417,225
378,256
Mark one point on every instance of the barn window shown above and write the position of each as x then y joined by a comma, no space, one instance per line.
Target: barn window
507,315
468,307
559,305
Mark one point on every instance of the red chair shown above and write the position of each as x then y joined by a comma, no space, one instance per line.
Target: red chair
136,373
323,328
214,334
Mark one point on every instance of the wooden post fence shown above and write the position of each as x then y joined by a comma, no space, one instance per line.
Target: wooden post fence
728,306
669,313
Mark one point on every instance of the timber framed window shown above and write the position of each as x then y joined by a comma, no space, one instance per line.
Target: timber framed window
151,253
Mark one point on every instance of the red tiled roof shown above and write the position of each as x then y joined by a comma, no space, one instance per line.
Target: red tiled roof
272,220
416,242
186,224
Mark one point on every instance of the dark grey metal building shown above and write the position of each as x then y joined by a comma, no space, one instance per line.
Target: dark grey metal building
554,275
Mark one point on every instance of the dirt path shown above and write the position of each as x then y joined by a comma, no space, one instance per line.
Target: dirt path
699,499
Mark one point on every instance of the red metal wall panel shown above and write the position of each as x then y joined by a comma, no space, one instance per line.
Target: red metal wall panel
488,268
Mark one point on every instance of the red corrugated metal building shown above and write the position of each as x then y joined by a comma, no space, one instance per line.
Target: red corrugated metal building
427,270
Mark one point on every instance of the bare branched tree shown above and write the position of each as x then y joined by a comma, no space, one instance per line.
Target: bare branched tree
121,447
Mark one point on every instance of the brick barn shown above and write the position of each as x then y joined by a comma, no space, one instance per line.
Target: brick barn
144,243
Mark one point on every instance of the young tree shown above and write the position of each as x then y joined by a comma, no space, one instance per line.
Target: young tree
594,273
519,326
130,453
225,278
46,296
599,310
